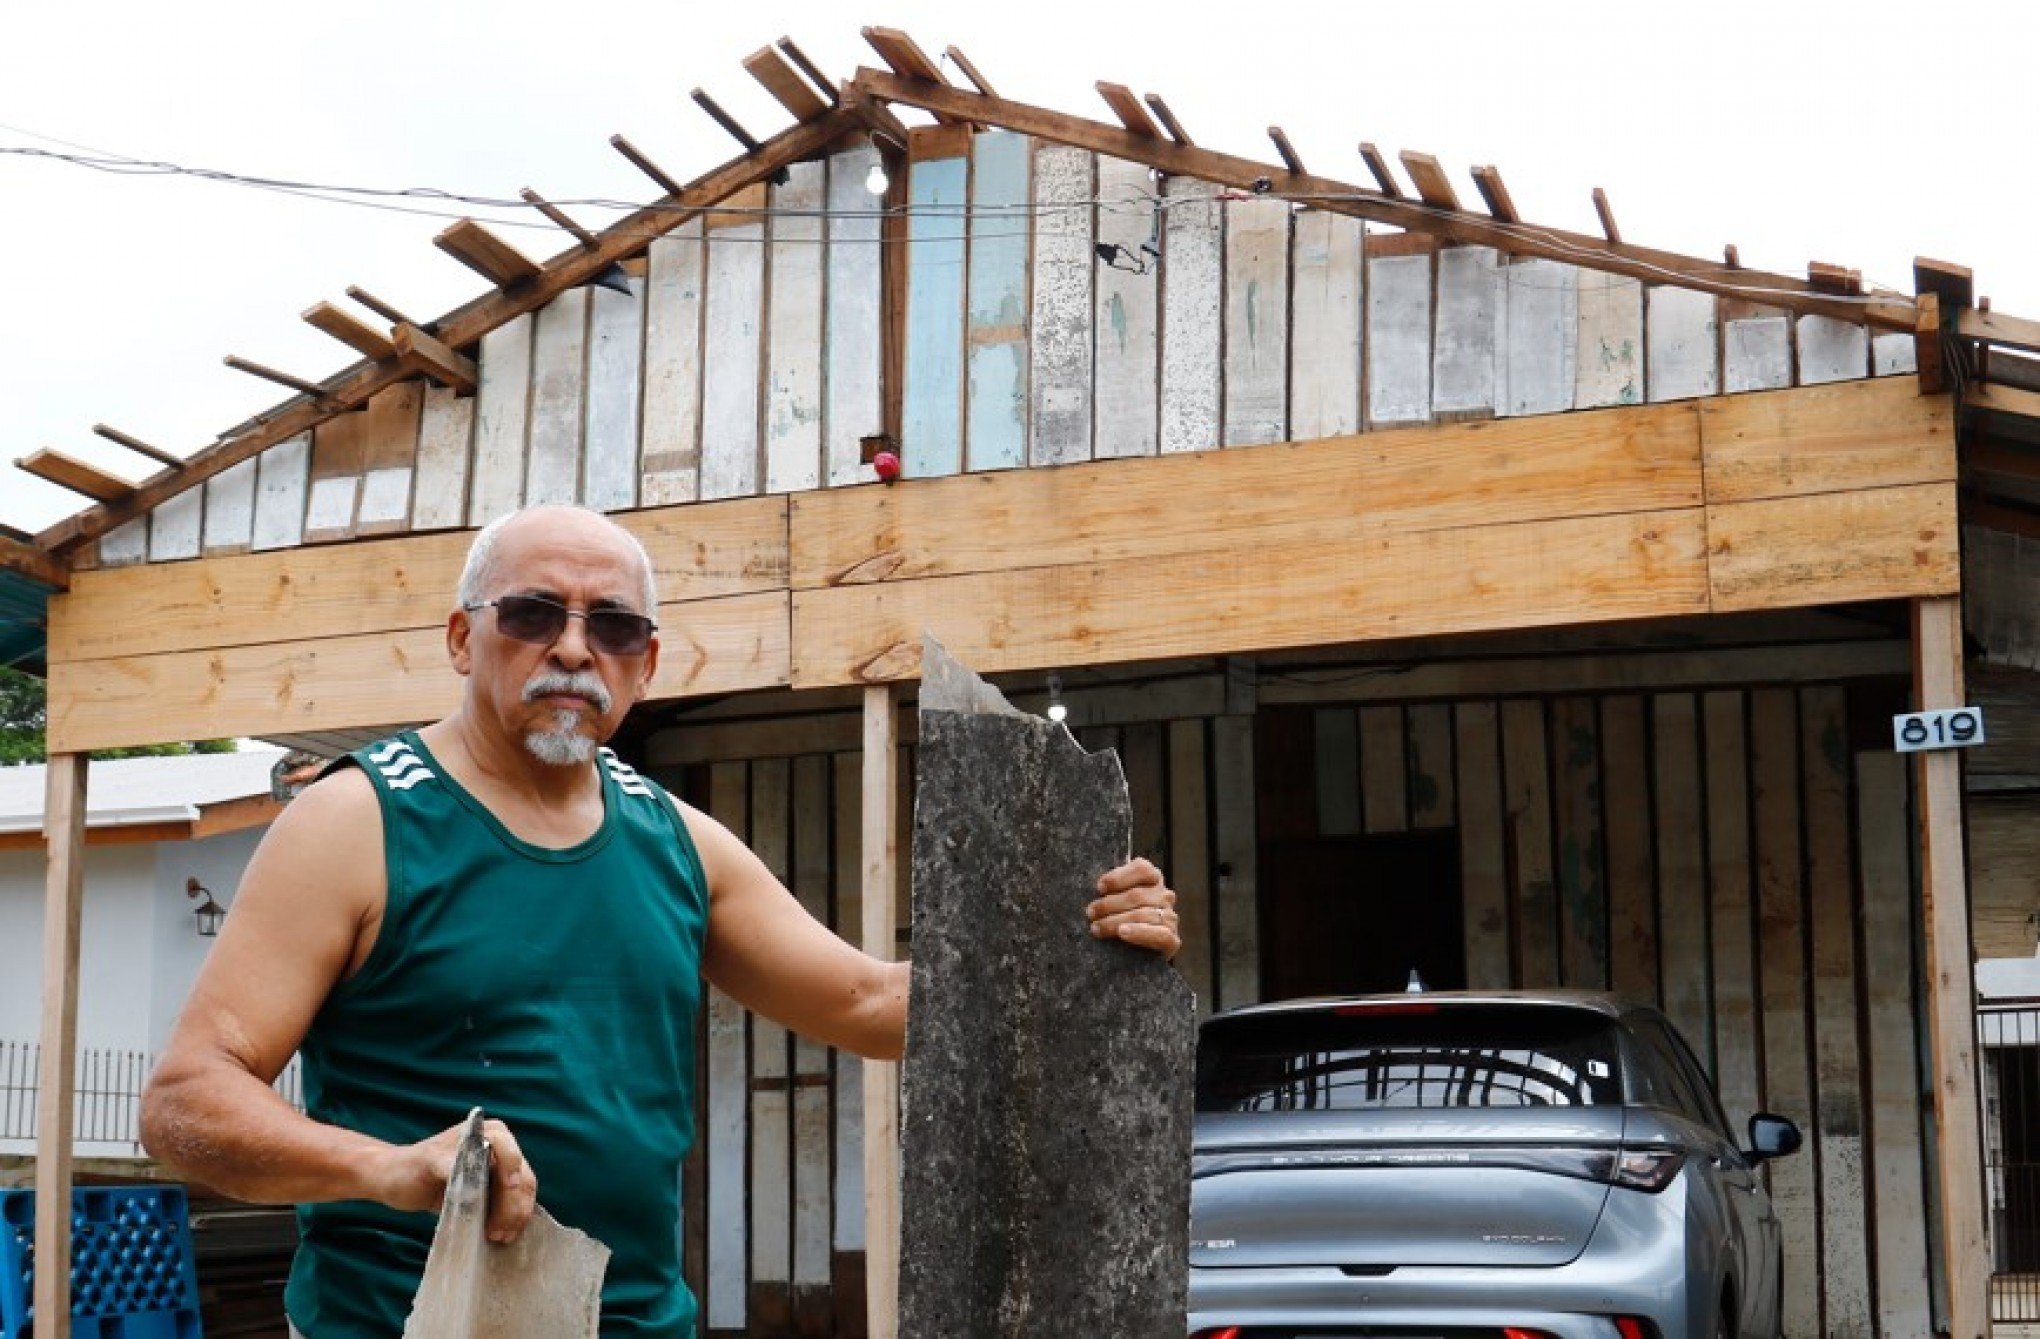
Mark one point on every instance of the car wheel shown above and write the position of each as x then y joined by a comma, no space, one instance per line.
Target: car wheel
1724,1317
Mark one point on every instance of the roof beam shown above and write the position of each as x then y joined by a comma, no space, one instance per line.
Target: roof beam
560,218
1377,166
823,84
138,446
970,71
1930,363
1434,188
1954,284
1488,181
377,305
427,357
1606,212
357,335
31,562
466,325
487,254
2012,332
1167,118
785,85
77,475
1332,196
1285,150
645,165
907,59
1127,108
267,373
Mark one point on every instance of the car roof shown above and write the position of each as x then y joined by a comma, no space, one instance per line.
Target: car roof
1593,1001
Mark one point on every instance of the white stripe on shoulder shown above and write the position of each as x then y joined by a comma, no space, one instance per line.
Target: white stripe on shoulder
388,751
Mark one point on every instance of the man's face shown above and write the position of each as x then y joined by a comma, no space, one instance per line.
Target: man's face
557,701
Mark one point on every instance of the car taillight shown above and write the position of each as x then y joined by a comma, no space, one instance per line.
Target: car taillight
1224,1332
1635,1327
1650,1169
1518,1332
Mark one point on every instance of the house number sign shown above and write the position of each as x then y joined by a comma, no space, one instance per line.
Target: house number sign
1949,728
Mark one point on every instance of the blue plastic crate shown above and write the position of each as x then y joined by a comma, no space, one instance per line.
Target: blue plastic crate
132,1272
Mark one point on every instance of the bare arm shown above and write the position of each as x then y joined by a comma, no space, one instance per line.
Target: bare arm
304,918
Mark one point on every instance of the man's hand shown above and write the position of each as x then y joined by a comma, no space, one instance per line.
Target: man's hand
416,1177
1136,907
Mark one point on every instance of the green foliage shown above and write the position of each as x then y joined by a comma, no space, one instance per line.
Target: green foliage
23,717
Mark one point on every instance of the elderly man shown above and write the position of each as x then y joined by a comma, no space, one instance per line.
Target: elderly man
531,940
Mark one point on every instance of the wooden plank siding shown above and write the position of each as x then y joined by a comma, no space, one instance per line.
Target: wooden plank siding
1742,835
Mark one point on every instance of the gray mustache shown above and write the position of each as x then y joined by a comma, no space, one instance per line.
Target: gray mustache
583,685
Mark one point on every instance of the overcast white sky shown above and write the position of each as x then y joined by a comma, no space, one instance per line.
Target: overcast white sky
1844,132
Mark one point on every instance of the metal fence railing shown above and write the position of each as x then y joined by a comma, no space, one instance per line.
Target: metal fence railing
2008,1041
108,1104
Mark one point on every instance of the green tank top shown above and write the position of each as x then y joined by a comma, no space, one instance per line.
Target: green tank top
558,991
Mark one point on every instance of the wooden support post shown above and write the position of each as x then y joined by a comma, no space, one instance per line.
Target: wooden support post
63,900
881,1080
1951,1008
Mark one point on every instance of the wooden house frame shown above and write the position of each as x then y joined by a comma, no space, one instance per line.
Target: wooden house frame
1549,540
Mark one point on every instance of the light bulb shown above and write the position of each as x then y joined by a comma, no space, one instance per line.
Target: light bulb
876,180
1057,712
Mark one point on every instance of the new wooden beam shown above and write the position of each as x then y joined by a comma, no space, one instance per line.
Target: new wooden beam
1167,118
358,335
487,254
1384,176
1951,1005
880,825
1127,108
465,325
1333,196
77,475
138,446
63,907
907,60
1606,212
823,84
31,562
785,85
430,358
1488,181
1434,188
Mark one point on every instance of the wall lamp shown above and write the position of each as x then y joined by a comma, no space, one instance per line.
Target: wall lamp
208,913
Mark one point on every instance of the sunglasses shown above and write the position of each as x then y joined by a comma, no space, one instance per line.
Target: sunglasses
535,619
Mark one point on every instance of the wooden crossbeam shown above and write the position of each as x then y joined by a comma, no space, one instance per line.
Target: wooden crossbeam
785,85
31,562
487,254
825,85
1606,212
1826,278
77,475
1127,108
1488,181
430,358
645,165
2001,399
138,446
1333,196
1990,327
1954,284
1434,188
267,373
465,325
970,71
1285,150
1377,165
377,305
356,334
907,60
724,119
559,217
1167,118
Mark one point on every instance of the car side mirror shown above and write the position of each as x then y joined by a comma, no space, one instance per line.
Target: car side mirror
1772,1137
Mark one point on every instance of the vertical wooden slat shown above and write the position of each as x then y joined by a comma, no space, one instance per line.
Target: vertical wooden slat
1384,771
882,812
1237,903
1189,866
279,495
1431,794
1483,850
1608,366
1632,909
1256,353
1576,806
932,432
1938,683
771,1307
1059,421
671,434
729,1092
616,341
1845,1263
446,432
1463,354
1680,336
339,448
793,332
996,304
1682,867
810,1097
1193,315
856,340
1126,382
1884,859
1398,339
502,409
1756,353
733,350
1336,759
849,924
1774,774
63,905
389,458
1324,338
230,509
1538,340
1728,887
1527,787
1831,350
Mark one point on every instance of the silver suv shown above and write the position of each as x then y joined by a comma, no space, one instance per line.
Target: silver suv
1459,1165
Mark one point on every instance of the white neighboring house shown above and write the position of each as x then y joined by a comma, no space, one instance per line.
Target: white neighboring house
152,826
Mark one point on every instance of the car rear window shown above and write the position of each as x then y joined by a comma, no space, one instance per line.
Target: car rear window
1357,1057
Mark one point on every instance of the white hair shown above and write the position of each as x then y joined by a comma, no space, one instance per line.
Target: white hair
481,558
